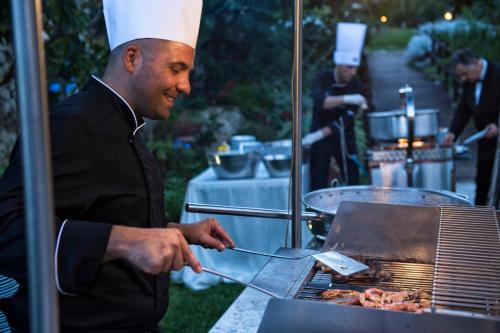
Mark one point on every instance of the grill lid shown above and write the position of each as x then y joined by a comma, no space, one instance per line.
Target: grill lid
385,231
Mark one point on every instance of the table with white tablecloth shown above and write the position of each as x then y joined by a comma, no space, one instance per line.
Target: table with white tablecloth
260,234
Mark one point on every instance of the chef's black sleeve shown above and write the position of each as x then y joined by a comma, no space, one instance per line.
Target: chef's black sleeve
461,117
80,247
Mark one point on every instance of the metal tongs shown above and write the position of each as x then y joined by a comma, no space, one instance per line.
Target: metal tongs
337,261
479,135
462,148
253,286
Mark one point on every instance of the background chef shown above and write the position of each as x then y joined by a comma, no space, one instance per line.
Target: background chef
337,94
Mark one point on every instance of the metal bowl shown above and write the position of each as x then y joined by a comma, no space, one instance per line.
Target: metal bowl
246,146
237,140
234,164
277,165
284,147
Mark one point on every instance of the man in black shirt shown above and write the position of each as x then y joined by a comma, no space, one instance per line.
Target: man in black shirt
114,247
480,101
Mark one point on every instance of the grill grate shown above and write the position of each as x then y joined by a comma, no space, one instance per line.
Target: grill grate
467,267
404,275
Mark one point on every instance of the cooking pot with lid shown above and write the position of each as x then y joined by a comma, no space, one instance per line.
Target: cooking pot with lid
393,125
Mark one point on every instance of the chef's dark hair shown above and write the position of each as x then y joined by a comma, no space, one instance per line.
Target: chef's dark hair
464,57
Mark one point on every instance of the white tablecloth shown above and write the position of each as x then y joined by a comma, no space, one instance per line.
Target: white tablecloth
260,234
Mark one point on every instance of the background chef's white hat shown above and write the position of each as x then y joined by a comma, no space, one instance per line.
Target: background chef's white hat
175,20
350,42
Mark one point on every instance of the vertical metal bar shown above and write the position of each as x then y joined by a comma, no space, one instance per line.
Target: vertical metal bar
33,107
494,192
297,128
406,96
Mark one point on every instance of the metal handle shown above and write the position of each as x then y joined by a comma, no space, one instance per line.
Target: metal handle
240,282
267,254
474,137
247,211
466,197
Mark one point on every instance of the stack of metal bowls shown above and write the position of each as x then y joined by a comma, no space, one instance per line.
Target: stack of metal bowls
240,162
234,164
277,157
277,165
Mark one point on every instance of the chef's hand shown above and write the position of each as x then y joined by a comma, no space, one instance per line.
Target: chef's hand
316,136
492,131
207,233
152,250
448,139
356,99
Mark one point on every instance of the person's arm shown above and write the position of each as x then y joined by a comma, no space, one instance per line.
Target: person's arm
163,249
331,102
152,250
316,136
460,118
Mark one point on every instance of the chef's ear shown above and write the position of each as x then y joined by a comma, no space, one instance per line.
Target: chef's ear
131,57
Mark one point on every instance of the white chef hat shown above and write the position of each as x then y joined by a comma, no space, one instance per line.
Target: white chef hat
175,20
350,42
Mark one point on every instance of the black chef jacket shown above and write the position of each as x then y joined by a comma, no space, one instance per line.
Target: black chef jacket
103,175
325,85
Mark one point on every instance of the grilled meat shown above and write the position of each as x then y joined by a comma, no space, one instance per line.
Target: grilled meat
374,273
339,293
406,300
341,296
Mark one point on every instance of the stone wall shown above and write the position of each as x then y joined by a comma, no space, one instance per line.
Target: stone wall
9,126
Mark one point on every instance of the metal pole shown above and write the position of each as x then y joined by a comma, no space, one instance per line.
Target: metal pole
39,210
297,128
406,96
343,149
494,192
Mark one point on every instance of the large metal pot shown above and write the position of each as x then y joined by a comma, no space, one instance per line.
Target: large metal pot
323,204
432,167
393,125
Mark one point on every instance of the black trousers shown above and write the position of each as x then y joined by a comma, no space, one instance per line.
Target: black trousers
320,167
483,179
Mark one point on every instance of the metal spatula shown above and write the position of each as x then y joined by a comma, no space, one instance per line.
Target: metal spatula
335,260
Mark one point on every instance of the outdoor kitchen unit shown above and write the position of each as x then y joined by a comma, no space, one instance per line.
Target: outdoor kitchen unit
451,253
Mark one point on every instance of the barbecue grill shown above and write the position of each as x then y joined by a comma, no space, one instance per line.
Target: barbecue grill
451,252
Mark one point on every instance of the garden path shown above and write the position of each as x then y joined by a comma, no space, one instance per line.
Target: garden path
389,71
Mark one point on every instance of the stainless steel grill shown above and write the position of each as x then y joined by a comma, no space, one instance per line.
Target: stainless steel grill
467,267
404,275
454,255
